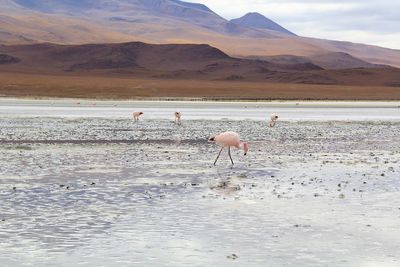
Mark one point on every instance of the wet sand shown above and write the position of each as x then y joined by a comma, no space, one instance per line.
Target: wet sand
104,191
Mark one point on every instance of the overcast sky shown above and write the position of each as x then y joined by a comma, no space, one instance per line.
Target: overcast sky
364,21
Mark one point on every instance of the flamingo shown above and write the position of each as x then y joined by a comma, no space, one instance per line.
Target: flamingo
229,139
136,115
274,118
178,116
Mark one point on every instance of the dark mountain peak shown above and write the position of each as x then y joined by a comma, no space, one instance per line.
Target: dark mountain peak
254,15
256,20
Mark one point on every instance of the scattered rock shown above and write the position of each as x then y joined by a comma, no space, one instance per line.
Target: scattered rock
233,256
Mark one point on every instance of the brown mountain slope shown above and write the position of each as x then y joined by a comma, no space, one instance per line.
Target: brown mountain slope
135,56
161,21
30,27
340,60
331,61
188,62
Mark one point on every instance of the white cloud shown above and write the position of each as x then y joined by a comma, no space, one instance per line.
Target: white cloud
362,21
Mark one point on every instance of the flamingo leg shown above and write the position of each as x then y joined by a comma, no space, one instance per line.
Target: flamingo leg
229,153
218,156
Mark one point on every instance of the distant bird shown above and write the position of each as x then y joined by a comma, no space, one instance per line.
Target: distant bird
136,115
178,116
274,118
229,139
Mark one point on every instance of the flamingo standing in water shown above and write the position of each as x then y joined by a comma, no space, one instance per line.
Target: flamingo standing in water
178,116
229,139
136,115
274,118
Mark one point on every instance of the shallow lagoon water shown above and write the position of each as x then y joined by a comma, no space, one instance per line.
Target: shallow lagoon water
289,111
105,191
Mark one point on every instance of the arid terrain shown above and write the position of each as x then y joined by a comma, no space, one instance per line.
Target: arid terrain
132,49
139,70
39,86
166,22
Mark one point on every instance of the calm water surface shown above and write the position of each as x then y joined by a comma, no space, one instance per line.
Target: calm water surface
290,111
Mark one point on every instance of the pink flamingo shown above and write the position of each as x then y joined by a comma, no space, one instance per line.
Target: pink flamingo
274,118
136,115
229,139
178,116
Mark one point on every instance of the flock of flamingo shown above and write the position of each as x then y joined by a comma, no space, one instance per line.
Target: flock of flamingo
224,140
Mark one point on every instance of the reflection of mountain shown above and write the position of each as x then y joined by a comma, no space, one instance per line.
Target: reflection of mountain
167,21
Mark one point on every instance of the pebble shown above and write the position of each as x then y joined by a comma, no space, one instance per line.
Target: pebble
233,256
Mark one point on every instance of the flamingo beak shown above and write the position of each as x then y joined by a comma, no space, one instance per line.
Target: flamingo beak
212,139
245,148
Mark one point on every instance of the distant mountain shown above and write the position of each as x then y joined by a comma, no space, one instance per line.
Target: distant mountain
165,22
340,60
163,12
133,56
256,20
182,62
77,7
330,61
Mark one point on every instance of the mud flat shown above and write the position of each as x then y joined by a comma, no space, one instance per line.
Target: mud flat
105,191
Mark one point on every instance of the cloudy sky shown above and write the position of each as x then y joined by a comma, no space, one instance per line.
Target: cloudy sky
365,21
